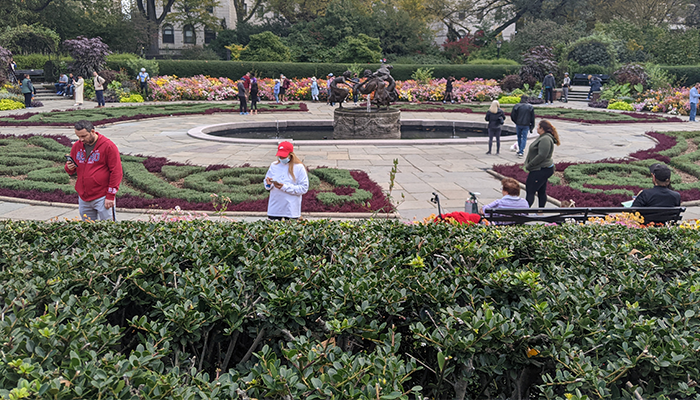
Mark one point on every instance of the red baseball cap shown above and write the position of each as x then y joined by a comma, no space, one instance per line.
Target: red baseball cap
284,148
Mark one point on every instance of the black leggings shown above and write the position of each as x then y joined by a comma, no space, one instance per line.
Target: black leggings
549,95
537,183
244,104
253,101
495,132
27,100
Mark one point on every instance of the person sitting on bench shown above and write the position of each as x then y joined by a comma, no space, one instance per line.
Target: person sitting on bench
511,199
660,195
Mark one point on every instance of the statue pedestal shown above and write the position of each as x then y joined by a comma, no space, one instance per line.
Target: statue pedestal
357,123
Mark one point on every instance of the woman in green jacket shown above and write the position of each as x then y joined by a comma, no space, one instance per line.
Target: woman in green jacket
27,90
539,163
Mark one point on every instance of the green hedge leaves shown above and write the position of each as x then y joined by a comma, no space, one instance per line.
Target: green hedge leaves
352,310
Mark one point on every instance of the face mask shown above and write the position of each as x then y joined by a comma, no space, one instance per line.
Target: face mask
284,160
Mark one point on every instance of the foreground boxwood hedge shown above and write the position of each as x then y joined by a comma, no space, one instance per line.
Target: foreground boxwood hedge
236,69
339,310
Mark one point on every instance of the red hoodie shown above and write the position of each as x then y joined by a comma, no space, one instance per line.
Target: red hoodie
101,174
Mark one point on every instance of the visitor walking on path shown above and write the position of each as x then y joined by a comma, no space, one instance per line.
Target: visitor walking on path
97,163
285,87
523,115
98,83
254,91
28,91
566,84
314,89
243,108
79,87
143,81
539,163
694,96
496,117
549,83
448,90
276,90
287,181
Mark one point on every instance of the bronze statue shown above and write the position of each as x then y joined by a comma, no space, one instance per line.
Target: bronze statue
339,94
382,84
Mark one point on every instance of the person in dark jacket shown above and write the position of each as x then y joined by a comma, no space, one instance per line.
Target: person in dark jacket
496,118
596,85
539,164
548,83
523,115
660,195
448,90
241,96
27,90
254,93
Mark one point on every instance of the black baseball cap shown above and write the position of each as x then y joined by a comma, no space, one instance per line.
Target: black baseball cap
661,172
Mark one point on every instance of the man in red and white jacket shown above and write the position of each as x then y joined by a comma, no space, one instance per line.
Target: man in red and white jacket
99,169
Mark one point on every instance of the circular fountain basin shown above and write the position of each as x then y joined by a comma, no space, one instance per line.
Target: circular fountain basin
320,132
359,123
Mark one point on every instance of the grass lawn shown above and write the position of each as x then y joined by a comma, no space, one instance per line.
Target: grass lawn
129,113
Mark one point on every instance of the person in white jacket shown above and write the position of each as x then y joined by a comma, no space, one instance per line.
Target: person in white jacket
287,181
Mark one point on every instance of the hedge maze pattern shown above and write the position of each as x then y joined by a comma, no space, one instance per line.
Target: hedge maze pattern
36,164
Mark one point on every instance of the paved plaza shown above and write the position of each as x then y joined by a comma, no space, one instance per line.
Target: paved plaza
451,170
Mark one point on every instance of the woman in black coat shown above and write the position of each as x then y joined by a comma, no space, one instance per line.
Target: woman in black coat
496,118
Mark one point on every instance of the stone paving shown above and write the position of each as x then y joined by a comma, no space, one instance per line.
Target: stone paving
450,170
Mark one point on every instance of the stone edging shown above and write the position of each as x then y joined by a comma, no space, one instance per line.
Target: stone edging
315,215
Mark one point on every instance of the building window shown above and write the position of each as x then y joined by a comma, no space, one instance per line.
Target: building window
245,8
209,35
188,33
168,34
261,11
210,9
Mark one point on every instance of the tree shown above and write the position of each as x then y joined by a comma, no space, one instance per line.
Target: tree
153,19
266,46
640,12
359,49
244,13
25,39
88,55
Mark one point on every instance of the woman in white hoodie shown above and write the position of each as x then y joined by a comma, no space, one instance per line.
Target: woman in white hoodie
287,181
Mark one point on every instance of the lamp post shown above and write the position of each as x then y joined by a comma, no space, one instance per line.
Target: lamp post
498,46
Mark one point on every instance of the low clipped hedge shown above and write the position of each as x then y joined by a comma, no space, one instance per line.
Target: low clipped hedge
32,167
688,75
347,310
236,69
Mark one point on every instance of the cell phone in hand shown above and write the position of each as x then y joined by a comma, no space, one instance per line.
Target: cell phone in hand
69,158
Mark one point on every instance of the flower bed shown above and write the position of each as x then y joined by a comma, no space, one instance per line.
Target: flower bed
32,167
346,310
608,183
674,101
110,115
172,88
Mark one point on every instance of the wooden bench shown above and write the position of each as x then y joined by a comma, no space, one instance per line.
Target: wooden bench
36,75
582,79
521,216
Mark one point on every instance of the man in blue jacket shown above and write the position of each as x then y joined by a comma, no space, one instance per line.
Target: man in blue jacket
694,96
523,115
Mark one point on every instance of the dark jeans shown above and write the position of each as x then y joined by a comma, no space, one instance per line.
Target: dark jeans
537,183
60,87
244,104
27,100
495,132
521,132
144,89
693,111
549,95
100,94
69,90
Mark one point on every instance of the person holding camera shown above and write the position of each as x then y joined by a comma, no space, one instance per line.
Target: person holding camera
287,181
97,163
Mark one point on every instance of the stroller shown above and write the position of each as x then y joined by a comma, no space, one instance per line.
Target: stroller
470,215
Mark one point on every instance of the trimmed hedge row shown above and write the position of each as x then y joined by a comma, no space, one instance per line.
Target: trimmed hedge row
347,310
236,69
